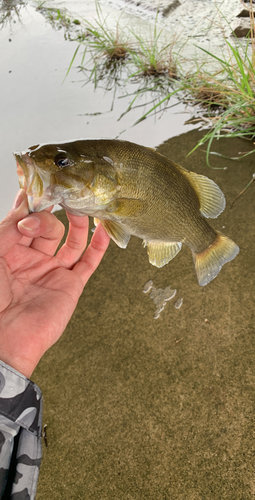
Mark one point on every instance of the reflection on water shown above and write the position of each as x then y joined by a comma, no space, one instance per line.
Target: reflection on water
136,93
160,296
10,11
60,19
41,104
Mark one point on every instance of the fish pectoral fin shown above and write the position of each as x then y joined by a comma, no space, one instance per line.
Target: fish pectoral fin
161,252
116,232
125,207
212,199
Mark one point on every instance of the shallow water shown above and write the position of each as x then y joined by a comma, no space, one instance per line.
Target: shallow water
159,409
37,106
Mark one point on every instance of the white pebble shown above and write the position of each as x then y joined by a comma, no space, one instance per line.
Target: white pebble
178,303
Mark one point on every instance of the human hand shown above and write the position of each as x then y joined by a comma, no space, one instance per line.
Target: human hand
39,291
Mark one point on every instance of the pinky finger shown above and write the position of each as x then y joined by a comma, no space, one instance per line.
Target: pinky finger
93,255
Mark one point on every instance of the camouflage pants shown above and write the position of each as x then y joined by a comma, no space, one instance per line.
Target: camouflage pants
20,435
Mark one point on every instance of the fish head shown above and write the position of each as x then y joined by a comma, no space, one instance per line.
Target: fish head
64,174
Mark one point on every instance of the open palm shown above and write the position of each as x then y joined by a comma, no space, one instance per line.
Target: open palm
39,290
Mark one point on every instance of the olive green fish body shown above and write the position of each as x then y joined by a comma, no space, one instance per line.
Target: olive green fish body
132,190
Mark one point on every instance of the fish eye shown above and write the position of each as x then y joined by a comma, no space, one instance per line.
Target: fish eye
62,161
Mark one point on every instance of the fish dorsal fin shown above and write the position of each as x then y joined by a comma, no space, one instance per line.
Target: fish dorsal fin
116,232
212,199
161,252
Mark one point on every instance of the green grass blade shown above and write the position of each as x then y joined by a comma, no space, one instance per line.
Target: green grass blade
72,61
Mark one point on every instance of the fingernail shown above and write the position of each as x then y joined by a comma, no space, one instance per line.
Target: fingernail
19,198
29,223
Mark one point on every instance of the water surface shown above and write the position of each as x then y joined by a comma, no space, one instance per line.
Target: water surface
37,106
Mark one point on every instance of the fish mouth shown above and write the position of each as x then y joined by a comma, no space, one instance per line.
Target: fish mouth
36,182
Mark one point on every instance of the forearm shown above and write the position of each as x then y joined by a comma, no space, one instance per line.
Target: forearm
20,433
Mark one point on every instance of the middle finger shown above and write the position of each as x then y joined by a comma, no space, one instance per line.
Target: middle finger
76,241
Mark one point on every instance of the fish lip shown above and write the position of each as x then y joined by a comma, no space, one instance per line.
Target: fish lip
28,173
25,167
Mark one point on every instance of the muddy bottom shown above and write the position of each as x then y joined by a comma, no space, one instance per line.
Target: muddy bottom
161,409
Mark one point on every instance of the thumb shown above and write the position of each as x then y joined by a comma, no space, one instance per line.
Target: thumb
9,233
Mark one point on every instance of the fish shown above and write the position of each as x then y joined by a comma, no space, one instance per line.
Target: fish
132,190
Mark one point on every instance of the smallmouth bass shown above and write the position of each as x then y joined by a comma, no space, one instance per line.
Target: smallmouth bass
131,190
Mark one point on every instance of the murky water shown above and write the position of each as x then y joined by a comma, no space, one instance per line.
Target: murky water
37,106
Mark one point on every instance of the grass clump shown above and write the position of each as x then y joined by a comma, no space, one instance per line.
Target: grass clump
104,42
152,58
144,57
231,92
227,93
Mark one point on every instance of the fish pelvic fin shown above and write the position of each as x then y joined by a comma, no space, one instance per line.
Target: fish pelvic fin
211,198
209,262
161,252
116,232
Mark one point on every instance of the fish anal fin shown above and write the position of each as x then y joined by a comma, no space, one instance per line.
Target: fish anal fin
211,198
209,262
116,232
161,252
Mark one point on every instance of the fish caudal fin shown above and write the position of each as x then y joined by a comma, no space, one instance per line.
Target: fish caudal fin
209,262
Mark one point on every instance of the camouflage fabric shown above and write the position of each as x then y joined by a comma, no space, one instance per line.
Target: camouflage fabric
20,435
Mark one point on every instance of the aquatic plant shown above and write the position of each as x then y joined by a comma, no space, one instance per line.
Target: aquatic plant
147,57
114,56
152,57
102,41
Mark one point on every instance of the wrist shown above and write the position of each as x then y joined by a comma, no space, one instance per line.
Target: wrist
22,366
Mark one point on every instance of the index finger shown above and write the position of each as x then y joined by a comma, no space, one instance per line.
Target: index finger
9,233
48,233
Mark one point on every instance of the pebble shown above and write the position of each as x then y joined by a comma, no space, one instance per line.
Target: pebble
178,303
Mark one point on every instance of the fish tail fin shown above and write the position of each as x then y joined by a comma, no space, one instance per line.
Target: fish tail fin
209,262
